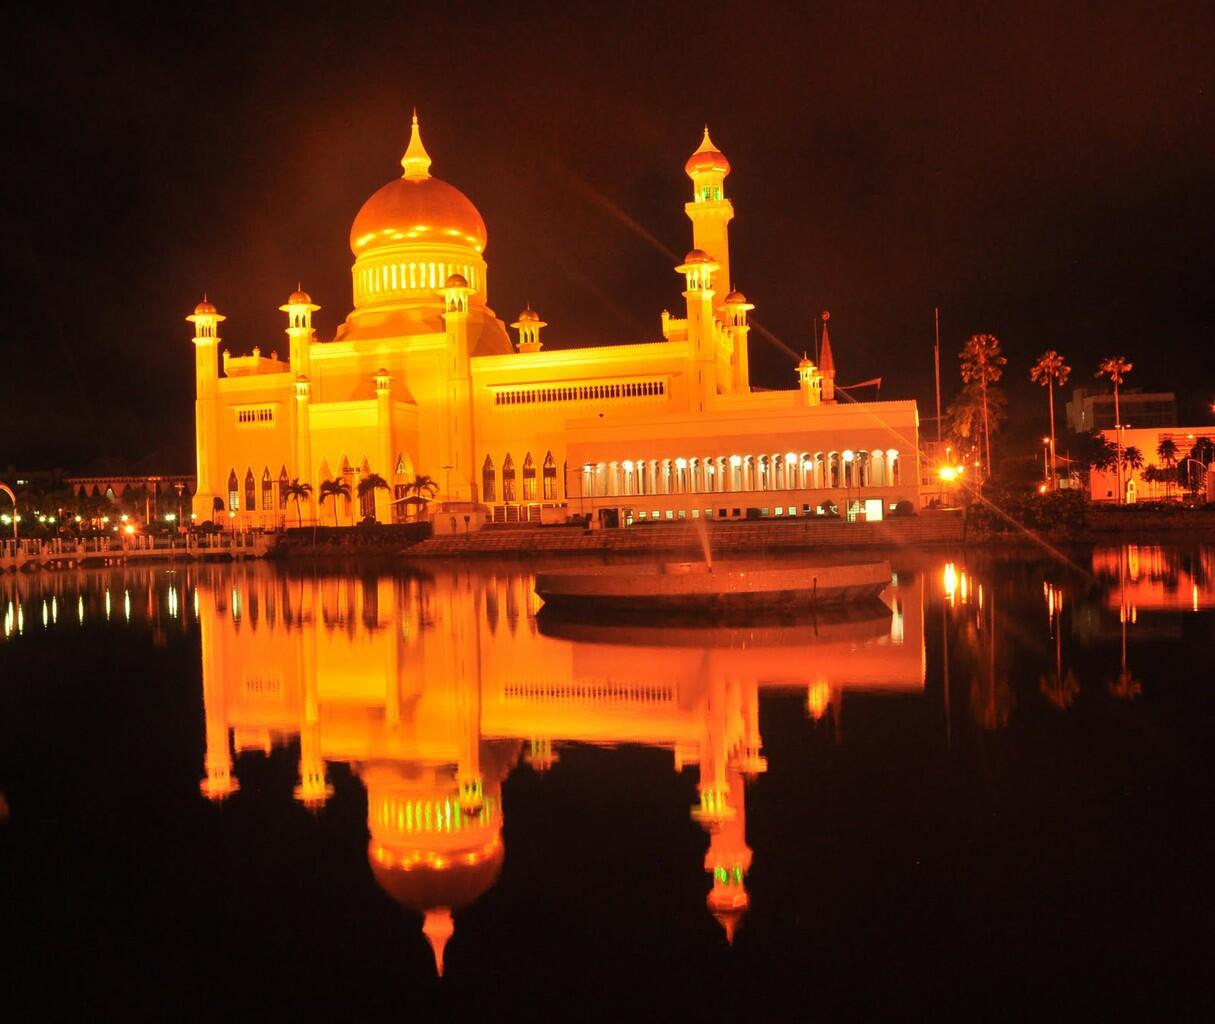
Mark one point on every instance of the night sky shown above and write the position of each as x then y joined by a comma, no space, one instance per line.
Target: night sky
1042,174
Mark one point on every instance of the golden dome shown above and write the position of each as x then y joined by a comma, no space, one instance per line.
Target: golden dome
425,887
707,159
205,308
528,316
299,298
456,281
425,210
698,256
417,208
735,298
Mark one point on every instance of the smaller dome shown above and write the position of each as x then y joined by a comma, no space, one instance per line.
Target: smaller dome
707,159
205,308
735,298
456,281
299,298
698,256
529,316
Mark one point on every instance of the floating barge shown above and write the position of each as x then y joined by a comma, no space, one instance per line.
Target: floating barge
724,586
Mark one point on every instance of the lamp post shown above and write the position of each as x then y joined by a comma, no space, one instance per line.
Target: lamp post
1046,461
1184,462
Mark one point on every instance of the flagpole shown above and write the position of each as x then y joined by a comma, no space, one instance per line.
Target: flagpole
936,359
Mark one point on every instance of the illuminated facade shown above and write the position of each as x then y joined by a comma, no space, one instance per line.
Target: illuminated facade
422,377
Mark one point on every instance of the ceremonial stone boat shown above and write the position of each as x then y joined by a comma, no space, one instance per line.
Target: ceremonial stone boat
720,586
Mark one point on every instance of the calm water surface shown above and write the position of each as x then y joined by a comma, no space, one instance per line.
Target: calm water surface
234,789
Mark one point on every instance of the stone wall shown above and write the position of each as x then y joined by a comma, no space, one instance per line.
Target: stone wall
725,539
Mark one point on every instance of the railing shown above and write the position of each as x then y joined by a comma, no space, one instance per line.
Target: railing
141,545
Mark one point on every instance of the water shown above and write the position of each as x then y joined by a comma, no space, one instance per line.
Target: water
232,788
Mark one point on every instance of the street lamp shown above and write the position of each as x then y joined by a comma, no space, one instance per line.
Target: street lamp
1200,465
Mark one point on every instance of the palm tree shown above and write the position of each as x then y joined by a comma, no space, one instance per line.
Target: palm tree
982,366
1116,368
296,490
369,484
1132,456
1101,453
1166,451
421,489
334,489
1050,370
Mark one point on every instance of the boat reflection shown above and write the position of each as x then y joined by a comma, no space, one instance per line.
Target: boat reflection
432,690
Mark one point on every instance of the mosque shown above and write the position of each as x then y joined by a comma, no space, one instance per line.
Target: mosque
423,378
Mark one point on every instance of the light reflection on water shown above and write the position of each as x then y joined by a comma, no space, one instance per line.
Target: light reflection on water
433,689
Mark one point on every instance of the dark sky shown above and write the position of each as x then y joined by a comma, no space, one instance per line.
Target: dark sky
1044,173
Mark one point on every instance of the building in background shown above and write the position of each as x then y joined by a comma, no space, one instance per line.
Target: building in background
1189,469
1092,409
422,378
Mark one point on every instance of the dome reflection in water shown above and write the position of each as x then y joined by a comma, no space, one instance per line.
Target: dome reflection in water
432,690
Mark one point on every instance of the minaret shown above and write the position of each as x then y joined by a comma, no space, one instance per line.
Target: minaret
735,310
303,440
314,788
383,409
698,269
457,451
220,781
206,320
710,211
826,363
528,325
809,381
299,308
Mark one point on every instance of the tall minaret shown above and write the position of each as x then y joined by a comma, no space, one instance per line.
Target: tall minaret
710,211
206,320
457,447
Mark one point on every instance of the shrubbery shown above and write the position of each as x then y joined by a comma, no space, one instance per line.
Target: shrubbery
1060,510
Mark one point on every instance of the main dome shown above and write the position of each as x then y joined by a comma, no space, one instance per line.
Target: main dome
417,208
426,210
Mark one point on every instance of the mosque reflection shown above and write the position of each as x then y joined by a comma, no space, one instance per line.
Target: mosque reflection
433,690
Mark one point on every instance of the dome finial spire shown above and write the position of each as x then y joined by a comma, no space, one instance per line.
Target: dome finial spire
416,160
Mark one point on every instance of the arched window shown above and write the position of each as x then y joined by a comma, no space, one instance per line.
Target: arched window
508,478
267,491
489,491
550,477
877,469
282,489
833,470
862,469
250,491
892,467
233,492
529,478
